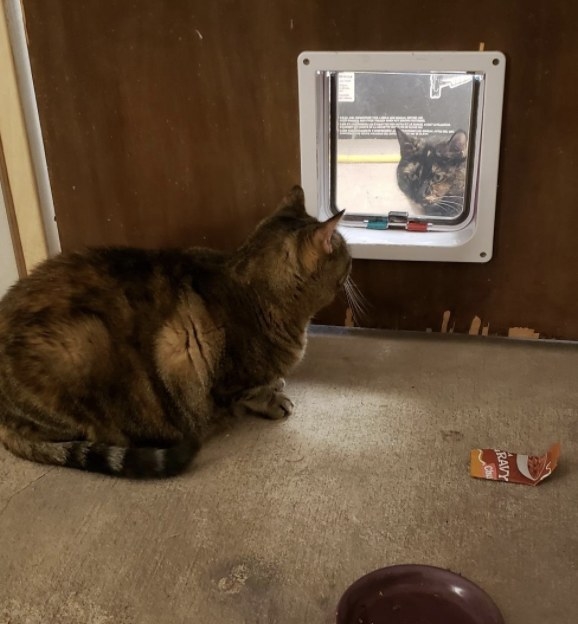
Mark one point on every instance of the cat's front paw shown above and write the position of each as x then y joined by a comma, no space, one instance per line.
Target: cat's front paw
280,406
265,401
278,384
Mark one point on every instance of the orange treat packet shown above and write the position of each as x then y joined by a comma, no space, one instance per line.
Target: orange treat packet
511,467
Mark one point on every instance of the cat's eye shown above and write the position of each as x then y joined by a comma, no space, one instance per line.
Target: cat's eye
369,121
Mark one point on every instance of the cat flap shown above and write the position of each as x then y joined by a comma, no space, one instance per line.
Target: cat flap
400,140
400,145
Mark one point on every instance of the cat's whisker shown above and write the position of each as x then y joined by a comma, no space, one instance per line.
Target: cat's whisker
449,204
451,201
358,302
361,300
356,294
351,298
356,314
451,208
352,306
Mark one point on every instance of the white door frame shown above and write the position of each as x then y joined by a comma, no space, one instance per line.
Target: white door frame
21,139
8,266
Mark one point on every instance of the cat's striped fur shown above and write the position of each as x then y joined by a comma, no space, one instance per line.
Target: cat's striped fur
121,360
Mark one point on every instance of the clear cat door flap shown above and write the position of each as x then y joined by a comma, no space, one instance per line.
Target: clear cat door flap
400,147
407,144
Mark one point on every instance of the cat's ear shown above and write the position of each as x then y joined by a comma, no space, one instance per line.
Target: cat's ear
324,233
457,146
408,145
293,204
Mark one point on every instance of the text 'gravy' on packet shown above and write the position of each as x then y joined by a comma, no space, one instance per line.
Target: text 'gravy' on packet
511,467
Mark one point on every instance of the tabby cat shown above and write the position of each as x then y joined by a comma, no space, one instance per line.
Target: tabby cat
432,172
121,360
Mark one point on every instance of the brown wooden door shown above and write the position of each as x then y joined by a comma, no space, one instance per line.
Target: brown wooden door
176,123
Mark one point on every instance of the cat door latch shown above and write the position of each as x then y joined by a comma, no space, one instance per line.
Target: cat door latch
394,220
397,218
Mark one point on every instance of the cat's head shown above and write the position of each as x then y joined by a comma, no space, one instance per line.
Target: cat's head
291,254
432,174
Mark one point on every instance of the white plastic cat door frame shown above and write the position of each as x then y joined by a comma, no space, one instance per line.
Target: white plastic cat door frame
329,81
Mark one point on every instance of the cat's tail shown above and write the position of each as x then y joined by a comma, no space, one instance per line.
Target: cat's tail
130,462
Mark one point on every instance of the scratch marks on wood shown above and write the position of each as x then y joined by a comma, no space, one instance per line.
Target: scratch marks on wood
523,332
445,322
475,326
349,318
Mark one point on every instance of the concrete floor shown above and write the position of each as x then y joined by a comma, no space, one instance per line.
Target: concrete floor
370,188
277,518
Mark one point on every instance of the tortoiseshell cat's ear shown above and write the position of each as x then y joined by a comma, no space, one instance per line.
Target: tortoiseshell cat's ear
293,204
408,145
456,147
323,234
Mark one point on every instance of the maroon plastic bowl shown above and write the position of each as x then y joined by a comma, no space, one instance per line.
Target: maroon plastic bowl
416,594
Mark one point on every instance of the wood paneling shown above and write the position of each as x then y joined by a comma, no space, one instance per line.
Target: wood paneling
176,123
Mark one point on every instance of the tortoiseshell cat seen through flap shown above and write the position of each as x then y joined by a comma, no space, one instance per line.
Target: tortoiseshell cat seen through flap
432,173
122,360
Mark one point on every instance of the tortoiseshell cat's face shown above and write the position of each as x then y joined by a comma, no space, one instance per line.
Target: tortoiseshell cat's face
432,174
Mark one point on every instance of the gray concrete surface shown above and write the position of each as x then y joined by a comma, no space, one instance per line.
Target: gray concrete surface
277,518
370,188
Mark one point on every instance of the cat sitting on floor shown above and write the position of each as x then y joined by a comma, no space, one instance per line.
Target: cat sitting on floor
432,173
121,360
